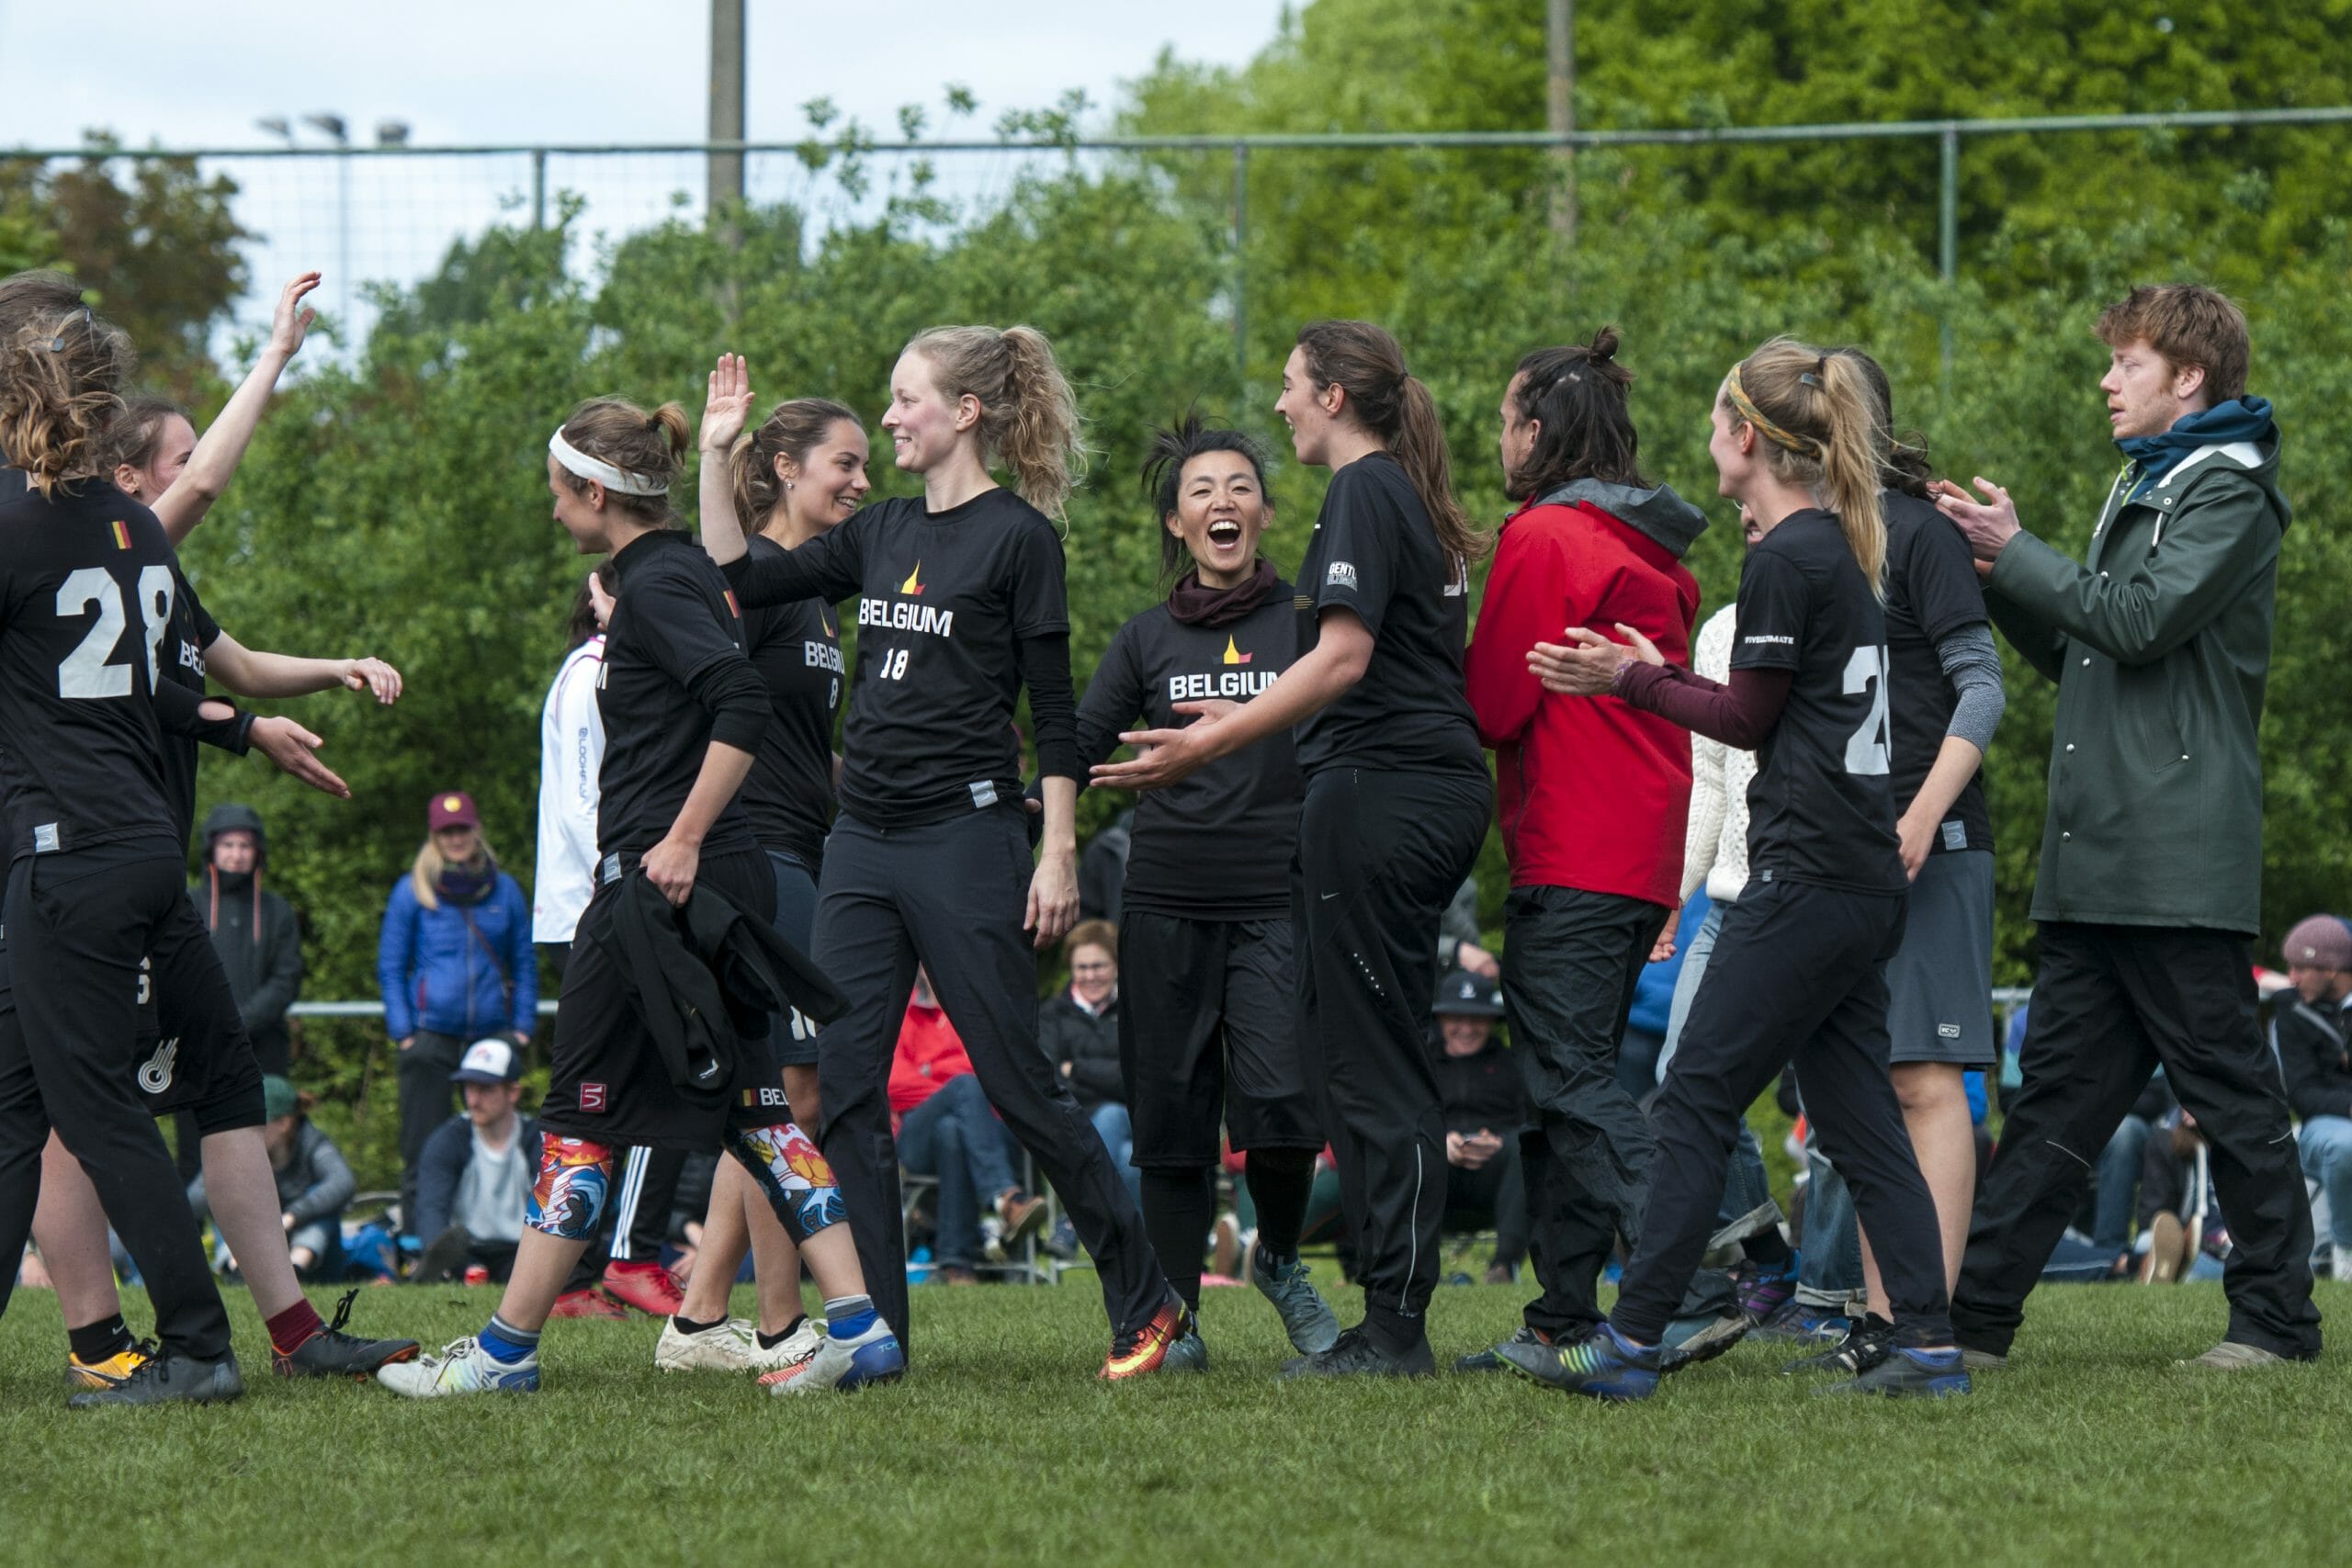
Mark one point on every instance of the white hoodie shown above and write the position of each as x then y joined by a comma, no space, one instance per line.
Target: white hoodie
1715,846
571,750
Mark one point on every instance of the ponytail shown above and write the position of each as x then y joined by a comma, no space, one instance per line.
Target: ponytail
651,446
1028,415
1822,431
61,372
1365,362
1907,466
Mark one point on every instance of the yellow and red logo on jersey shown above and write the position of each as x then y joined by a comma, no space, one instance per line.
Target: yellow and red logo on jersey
1232,654
913,584
733,608
121,535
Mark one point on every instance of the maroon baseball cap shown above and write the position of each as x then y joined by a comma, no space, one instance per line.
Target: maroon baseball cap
452,808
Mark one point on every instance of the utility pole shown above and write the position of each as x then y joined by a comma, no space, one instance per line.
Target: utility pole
1562,28
726,101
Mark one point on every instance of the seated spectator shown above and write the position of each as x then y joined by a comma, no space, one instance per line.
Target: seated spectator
2312,1031
1079,1029
314,1182
946,1129
2182,1232
473,1182
1485,1108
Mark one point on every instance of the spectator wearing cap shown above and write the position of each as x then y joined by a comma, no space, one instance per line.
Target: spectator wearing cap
2311,1031
1484,1102
473,1183
314,1182
455,963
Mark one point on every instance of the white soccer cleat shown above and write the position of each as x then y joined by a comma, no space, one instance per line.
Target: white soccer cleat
462,1367
874,1357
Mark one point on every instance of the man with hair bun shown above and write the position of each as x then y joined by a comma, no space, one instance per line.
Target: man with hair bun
2151,869
1595,871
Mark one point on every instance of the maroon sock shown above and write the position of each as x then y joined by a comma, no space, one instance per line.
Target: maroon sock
292,1328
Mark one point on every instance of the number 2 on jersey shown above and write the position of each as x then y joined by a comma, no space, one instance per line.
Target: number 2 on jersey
1866,749
86,673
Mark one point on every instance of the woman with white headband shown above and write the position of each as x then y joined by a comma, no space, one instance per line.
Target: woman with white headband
683,712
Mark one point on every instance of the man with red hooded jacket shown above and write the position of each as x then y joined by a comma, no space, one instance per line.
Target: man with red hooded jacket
1594,796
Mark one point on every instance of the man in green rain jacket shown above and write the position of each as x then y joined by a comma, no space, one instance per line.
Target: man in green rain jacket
2149,882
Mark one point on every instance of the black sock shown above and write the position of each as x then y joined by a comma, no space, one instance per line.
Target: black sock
1767,1248
685,1324
1281,1182
770,1341
1178,1208
97,1341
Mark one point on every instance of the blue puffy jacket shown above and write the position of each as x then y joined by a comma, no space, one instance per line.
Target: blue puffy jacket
465,970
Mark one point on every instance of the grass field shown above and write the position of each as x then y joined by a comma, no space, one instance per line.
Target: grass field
1003,1449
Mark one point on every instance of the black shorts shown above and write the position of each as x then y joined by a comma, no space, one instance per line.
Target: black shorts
792,1039
1208,1037
193,1054
606,1079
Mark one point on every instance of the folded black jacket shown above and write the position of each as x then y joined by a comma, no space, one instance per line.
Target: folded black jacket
682,963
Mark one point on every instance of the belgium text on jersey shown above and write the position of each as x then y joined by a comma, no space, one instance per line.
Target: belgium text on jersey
901,616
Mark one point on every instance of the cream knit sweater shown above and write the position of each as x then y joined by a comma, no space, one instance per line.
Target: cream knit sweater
1715,850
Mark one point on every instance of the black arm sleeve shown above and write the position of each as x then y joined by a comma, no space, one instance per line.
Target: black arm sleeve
729,690
1043,659
828,567
1114,699
180,712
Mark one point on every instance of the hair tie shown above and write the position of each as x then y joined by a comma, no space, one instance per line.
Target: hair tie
57,343
1812,377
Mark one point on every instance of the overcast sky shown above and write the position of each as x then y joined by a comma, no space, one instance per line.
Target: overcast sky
200,72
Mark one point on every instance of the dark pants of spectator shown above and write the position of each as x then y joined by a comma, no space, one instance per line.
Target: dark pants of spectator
955,1137
1575,957
950,896
79,923
2111,1003
446,1257
1380,855
427,1100
646,1181
1493,1197
1798,975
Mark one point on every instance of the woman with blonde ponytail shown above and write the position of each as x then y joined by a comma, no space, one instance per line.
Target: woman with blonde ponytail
1797,971
961,608
1397,802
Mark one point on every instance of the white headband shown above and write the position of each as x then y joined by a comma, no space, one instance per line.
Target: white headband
604,473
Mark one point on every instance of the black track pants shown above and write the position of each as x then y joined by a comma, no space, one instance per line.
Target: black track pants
78,925
1380,855
2109,1004
950,896
1575,957
1797,973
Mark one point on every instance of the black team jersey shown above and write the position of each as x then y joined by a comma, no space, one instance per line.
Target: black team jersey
1375,551
182,664
1820,808
797,648
957,611
87,589
1931,593
1217,845
673,679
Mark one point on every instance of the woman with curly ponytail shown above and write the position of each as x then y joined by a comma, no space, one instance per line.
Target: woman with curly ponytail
1396,803
961,610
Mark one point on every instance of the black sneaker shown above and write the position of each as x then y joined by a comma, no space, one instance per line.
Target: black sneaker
1709,1341
1490,1358
331,1353
1909,1375
1866,1344
167,1379
1356,1356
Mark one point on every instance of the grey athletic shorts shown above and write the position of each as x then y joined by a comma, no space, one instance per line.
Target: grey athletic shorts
1939,983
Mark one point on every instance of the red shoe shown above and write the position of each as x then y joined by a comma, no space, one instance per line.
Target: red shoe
1142,1350
647,1287
590,1302
477,1275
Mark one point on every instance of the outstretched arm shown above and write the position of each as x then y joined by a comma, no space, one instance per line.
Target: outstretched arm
255,674
724,415
216,458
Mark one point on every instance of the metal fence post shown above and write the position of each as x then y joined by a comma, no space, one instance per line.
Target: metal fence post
538,187
1240,276
1948,241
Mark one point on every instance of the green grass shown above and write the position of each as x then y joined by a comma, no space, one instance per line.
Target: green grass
1003,1449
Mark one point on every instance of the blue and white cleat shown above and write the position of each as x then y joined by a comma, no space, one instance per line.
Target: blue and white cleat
872,1357
462,1367
1607,1366
1307,1318
1910,1374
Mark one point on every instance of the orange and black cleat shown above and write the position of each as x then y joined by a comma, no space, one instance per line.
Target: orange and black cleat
1141,1350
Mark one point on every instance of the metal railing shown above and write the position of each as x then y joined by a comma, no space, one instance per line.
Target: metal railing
814,153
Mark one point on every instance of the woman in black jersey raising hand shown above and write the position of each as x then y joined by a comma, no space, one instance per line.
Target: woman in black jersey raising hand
1396,805
960,605
1797,971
